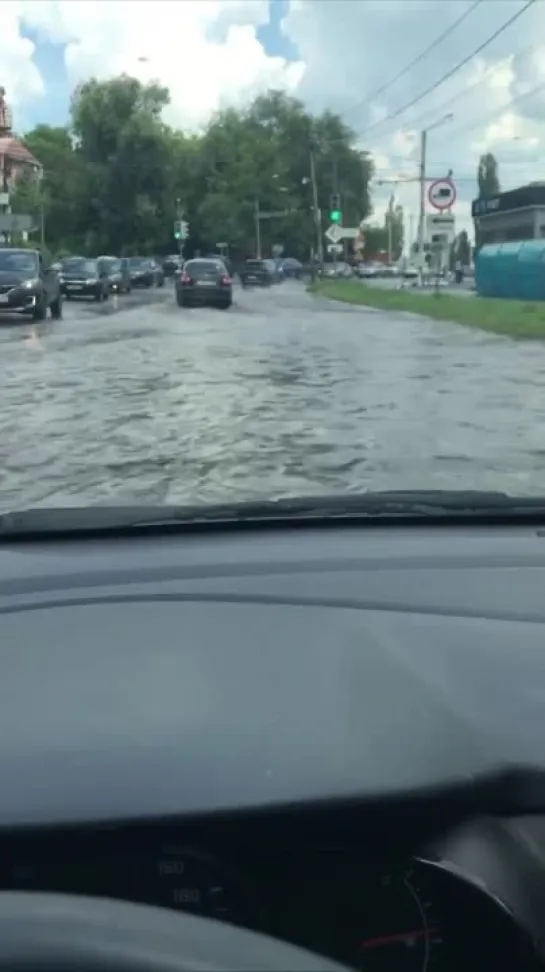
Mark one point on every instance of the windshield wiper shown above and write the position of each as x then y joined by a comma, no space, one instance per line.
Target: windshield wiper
397,505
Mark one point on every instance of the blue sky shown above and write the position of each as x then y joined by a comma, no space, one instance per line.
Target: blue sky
49,59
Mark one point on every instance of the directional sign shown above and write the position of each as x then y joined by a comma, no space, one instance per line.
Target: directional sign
334,233
442,194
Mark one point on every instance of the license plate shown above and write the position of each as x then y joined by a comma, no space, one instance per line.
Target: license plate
206,283
252,278
4,298
74,286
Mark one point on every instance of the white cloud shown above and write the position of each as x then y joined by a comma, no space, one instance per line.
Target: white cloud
208,54
352,49
205,51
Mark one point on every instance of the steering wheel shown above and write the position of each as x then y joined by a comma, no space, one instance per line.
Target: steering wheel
60,933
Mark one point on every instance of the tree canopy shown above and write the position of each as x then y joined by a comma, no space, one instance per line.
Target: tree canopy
487,176
116,176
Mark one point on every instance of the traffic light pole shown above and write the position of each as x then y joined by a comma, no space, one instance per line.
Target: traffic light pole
179,216
316,212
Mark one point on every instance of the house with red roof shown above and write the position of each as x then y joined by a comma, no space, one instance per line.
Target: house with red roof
14,157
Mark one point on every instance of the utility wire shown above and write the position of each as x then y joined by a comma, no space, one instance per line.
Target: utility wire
453,70
493,69
500,110
420,57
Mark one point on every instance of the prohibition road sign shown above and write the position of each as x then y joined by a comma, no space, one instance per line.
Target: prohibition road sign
442,194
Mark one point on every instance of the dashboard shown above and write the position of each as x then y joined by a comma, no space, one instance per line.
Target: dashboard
339,901
172,709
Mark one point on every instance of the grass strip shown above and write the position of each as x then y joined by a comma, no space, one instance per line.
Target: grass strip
513,318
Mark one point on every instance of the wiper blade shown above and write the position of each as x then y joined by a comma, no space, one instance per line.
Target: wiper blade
387,504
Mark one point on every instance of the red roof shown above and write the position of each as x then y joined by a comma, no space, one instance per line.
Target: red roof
15,150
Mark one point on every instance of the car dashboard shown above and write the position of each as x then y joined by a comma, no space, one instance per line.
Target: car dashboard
173,708
339,899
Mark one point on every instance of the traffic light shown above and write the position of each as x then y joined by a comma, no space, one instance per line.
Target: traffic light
181,229
335,213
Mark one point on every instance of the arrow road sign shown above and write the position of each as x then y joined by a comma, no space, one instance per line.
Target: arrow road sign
334,233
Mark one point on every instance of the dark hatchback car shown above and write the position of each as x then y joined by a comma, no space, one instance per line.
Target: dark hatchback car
83,277
255,273
204,282
118,273
28,284
145,272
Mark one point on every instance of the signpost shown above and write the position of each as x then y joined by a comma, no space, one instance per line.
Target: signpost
336,233
442,194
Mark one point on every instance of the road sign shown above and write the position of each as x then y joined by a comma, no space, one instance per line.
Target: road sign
222,246
16,223
334,247
442,194
334,233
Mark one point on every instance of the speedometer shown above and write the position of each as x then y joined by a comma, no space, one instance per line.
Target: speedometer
394,928
177,877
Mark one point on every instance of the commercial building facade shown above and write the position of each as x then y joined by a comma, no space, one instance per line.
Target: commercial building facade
511,216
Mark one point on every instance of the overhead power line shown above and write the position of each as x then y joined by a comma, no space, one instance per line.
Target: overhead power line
453,71
498,112
493,69
420,57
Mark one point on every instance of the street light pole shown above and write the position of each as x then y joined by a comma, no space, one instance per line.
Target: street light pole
422,209
257,216
316,211
422,181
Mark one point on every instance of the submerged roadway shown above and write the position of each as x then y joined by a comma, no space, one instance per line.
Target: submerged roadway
283,394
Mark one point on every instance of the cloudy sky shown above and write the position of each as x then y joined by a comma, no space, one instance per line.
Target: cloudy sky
340,54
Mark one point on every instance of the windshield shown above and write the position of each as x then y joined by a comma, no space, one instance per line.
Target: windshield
79,265
13,261
333,260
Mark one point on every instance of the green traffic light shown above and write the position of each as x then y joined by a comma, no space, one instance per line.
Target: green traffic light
335,216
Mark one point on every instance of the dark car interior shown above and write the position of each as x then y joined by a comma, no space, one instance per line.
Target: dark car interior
231,743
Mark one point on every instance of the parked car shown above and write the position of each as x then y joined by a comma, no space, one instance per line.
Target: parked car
145,272
28,284
255,273
117,272
204,282
83,277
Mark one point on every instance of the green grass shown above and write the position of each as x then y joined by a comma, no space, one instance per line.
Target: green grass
513,318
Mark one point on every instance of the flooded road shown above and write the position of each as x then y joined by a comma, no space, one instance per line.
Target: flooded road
283,394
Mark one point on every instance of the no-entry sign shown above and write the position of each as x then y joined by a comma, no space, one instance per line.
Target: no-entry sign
442,193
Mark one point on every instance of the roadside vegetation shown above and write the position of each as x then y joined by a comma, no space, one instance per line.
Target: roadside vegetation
513,318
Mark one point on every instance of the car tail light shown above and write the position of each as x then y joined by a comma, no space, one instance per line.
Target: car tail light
186,278
226,281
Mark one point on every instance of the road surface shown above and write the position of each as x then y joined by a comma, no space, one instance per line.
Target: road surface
283,394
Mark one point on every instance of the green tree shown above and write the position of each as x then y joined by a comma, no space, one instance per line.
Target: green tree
487,176
463,248
117,176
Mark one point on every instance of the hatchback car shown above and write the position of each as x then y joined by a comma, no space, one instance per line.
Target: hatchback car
117,272
255,273
82,277
204,282
145,272
28,284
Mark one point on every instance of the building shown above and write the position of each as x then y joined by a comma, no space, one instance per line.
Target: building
514,216
14,157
